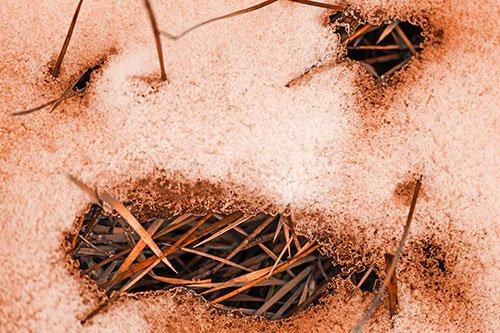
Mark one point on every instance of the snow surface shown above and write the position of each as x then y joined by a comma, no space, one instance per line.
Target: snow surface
332,150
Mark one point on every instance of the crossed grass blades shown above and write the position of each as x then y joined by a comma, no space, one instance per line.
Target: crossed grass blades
255,264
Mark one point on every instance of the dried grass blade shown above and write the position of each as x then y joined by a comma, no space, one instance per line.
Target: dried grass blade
138,247
152,261
392,286
105,275
207,255
283,291
321,4
287,239
356,34
237,281
57,100
360,283
321,269
55,70
92,245
294,235
239,12
308,300
105,261
376,47
157,39
405,39
277,270
387,31
395,68
95,213
246,298
305,247
286,305
73,243
287,245
384,58
85,188
402,242
180,281
262,246
224,230
278,229
246,278
305,289
132,221
370,69
173,226
245,241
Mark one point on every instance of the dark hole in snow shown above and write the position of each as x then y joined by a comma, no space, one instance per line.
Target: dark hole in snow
369,283
251,244
85,78
382,49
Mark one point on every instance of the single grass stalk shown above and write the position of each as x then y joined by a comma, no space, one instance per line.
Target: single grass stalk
320,4
54,101
360,283
57,67
356,34
395,260
157,39
239,12
392,287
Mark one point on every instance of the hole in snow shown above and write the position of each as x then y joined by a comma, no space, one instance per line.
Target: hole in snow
381,49
254,264
84,79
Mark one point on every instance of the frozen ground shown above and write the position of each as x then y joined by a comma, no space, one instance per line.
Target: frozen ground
336,151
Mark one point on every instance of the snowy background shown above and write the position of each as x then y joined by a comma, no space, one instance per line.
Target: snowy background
335,150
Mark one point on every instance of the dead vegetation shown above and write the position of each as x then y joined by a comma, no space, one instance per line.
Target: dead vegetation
255,264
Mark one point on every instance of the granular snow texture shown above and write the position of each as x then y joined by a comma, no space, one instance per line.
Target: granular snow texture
336,151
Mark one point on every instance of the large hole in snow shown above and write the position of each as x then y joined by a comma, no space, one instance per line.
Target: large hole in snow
256,264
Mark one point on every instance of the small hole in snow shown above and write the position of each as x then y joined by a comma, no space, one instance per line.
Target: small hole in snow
85,78
369,282
382,49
